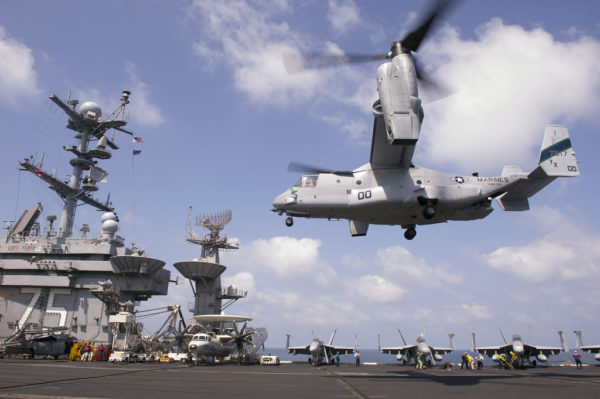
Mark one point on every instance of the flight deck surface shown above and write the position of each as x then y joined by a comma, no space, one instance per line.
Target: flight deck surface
49,379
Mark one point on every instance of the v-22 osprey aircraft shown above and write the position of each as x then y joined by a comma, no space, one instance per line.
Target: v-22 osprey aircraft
390,189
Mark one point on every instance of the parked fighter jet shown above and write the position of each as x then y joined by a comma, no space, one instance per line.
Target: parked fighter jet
220,337
319,351
589,348
408,353
522,351
390,189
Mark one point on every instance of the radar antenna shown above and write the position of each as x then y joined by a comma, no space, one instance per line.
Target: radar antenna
211,240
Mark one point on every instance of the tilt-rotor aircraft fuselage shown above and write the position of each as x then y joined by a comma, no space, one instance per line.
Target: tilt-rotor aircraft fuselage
391,190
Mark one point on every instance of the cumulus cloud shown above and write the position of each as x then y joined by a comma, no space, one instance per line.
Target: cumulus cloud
568,253
289,257
18,78
374,289
243,280
142,110
398,261
466,312
343,15
510,82
251,38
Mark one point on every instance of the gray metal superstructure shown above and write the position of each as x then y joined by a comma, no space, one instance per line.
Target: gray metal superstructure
204,273
54,279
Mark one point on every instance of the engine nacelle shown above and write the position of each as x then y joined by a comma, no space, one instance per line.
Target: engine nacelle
399,356
495,357
399,98
437,357
541,357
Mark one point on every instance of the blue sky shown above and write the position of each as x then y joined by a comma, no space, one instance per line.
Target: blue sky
221,119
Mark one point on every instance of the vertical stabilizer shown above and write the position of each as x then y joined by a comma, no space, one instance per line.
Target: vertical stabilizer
557,157
451,336
287,341
401,336
332,337
473,346
578,339
378,342
563,342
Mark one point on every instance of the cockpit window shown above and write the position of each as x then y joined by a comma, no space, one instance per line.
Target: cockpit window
309,180
298,183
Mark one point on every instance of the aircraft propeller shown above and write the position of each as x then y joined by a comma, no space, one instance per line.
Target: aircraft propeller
295,63
304,168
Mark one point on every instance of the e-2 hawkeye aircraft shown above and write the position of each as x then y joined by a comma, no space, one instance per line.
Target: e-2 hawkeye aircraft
390,189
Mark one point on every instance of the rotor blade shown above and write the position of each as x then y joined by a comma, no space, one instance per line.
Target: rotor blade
433,90
304,168
295,63
413,40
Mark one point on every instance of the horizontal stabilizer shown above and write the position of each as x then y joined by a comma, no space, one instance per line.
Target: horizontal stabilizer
557,159
510,202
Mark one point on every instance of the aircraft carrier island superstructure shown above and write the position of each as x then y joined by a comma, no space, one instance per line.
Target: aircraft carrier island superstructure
49,278
204,273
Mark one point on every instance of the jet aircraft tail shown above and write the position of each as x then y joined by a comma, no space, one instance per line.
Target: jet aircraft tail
557,159
578,340
563,342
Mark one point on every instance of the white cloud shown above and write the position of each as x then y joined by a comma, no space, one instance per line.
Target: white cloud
250,39
568,253
343,15
463,313
142,110
18,78
510,83
398,261
374,289
242,280
289,257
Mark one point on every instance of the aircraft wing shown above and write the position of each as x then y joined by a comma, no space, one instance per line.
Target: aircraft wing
342,350
545,350
398,349
299,350
591,348
384,154
441,351
493,350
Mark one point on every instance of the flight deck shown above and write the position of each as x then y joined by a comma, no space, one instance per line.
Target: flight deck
49,379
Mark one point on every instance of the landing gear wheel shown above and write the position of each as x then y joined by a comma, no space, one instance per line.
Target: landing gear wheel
410,233
429,212
289,222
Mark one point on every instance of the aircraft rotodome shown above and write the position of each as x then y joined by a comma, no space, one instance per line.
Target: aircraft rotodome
390,189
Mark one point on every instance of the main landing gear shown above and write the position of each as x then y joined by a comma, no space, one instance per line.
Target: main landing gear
289,222
410,233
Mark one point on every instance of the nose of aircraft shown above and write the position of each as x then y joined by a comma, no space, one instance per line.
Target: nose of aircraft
278,202
314,347
518,348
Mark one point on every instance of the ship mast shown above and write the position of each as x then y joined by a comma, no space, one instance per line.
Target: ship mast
87,124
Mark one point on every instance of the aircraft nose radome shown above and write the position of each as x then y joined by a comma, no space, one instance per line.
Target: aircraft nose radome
518,349
279,201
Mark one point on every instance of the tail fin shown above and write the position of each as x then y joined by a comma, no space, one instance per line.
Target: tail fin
557,157
451,336
578,339
332,337
287,342
473,346
378,342
563,342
